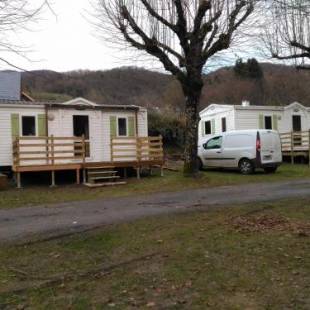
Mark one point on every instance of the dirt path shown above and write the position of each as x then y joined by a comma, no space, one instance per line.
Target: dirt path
23,224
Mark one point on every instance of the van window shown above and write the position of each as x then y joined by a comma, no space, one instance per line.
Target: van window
208,128
215,143
224,126
268,122
236,141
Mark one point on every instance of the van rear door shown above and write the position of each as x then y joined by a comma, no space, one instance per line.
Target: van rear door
270,147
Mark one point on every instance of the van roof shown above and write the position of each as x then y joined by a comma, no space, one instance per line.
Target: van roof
249,131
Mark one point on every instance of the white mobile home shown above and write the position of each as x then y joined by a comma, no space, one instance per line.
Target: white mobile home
218,118
47,136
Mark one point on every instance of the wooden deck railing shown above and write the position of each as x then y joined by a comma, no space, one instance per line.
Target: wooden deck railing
298,141
142,149
296,144
35,151
48,150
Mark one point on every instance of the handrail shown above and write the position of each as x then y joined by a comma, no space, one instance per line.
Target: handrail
49,150
137,149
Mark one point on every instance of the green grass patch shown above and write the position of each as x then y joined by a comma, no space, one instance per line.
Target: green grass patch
190,261
172,181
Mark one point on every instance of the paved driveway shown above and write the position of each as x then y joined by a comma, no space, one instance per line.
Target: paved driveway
25,224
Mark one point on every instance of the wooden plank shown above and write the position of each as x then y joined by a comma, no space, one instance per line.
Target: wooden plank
38,168
50,157
124,156
96,185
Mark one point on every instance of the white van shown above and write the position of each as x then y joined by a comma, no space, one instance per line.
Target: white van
245,150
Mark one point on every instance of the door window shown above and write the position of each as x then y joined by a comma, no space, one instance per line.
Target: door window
215,143
122,127
81,128
296,123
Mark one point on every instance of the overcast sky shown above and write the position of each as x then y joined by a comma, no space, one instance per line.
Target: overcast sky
66,41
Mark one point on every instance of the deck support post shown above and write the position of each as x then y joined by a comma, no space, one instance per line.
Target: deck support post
18,180
161,171
84,176
138,173
53,179
78,180
309,148
292,148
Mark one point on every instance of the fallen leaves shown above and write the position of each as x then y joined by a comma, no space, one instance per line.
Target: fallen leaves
268,222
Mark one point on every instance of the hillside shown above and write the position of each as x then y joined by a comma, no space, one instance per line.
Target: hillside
280,85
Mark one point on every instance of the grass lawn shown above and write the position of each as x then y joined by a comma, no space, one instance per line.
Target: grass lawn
173,181
246,257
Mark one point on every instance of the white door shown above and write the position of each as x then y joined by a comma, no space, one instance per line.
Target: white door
212,152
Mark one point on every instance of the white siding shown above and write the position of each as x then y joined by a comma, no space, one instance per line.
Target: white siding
287,122
248,119
99,123
217,114
6,133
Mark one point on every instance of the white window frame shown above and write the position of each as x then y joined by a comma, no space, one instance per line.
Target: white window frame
21,124
127,133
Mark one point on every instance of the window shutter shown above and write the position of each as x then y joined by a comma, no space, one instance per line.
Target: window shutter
213,126
15,125
113,126
261,121
42,125
275,122
203,128
131,126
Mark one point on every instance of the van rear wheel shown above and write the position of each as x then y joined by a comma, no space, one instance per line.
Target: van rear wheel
200,164
246,167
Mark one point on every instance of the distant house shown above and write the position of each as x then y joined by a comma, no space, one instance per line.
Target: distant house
218,118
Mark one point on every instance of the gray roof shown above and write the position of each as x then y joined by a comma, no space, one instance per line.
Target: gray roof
66,106
21,102
10,85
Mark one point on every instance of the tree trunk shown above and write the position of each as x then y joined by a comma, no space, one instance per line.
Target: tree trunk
192,89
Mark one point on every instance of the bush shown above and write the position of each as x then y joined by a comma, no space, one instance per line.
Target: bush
171,127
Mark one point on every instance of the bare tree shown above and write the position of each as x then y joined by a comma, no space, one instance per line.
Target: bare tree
15,15
288,34
183,35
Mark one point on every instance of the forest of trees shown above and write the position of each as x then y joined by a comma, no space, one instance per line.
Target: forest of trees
278,84
261,84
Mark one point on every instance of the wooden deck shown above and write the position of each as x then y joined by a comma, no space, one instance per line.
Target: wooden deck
34,154
296,144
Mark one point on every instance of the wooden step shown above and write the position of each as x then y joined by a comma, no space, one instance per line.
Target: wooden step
99,167
105,178
100,172
95,185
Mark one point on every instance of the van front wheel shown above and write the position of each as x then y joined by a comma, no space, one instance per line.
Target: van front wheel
246,167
